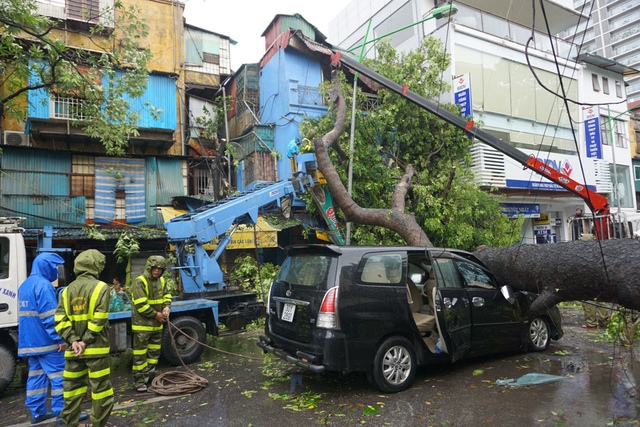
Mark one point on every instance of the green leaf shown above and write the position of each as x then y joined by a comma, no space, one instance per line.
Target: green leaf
370,409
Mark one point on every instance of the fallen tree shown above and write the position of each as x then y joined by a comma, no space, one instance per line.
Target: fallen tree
579,270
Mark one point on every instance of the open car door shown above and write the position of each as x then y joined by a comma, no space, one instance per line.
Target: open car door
453,311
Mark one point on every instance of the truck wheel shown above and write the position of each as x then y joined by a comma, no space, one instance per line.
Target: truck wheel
7,367
394,366
183,348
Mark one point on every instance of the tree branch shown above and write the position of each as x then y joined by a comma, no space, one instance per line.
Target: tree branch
395,218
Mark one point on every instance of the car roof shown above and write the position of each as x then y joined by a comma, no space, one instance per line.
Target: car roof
350,249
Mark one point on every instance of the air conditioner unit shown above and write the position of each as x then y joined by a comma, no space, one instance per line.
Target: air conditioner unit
15,139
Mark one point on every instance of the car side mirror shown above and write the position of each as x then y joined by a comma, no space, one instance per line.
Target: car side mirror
508,294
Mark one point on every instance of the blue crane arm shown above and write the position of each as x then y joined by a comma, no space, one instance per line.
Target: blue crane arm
199,269
213,220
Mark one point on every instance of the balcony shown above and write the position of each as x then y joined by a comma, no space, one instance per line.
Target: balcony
79,13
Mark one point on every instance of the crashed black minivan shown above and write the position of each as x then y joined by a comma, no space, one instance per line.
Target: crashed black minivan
386,310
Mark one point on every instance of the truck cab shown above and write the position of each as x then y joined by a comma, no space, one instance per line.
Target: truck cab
13,271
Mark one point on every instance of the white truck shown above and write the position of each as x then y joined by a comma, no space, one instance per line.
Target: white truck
195,317
13,271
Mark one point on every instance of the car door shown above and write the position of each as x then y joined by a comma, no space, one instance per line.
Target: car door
497,324
374,305
453,312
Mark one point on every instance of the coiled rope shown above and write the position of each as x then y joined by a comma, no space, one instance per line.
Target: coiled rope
172,383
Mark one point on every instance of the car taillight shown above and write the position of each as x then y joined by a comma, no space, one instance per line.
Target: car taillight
327,318
269,298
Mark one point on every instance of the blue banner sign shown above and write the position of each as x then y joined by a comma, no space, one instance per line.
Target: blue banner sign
462,94
592,132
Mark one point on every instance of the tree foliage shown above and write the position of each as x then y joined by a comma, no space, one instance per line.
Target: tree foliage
446,204
104,70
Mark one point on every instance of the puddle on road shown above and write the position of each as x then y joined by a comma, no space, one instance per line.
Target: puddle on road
602,384
241,345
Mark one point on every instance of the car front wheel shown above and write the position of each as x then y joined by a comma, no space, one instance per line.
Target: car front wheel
539,334
394,366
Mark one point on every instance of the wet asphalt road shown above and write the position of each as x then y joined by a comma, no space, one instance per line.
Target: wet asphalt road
245,389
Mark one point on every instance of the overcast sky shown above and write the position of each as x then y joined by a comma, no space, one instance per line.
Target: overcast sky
245,20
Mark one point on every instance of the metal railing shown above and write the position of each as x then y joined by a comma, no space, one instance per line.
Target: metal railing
584,227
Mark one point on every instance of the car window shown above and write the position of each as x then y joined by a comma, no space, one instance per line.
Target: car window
474,276
446,274
307,269
382,268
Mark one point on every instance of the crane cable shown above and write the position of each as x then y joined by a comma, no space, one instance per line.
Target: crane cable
173,383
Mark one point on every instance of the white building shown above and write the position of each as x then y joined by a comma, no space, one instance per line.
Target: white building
611,31
486,41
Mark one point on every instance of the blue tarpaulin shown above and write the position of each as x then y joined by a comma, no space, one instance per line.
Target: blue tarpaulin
529,379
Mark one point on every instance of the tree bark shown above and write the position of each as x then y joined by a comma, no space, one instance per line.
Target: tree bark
393,218
603,270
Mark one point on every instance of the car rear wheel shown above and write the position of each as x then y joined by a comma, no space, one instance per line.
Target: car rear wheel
539,334
394,366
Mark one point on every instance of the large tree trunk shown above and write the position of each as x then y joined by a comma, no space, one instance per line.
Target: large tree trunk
581,270
393,218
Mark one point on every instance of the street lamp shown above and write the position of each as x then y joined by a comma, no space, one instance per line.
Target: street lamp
437,13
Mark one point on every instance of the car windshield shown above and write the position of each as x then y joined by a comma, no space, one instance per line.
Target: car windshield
305,269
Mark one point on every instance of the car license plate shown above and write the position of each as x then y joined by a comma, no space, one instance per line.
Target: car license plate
288,312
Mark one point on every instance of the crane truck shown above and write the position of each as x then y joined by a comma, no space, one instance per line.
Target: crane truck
206,300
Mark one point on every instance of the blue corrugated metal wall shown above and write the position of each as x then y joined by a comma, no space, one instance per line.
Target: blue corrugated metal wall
285,75
160,93
163,179
37,187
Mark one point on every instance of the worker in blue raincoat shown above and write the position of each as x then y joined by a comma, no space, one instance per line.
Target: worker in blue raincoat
293,148
38,339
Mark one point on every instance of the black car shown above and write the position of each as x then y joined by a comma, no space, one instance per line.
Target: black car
387,310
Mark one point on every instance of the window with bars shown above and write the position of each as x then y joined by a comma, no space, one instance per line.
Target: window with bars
309,95
83,10
83,179
66,107
203,181
619,132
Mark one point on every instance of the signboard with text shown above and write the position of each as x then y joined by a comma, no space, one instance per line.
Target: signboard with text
592,132
528,210
462,94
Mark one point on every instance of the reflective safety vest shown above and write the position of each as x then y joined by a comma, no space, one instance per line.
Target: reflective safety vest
140,320
83,314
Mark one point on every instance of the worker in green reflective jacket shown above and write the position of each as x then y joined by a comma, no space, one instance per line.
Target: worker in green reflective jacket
150,311
82,321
